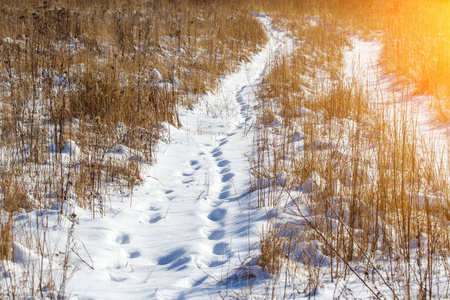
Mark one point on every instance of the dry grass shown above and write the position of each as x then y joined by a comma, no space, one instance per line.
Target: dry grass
105,74
84,86
359,185
84,89
6,238
416,43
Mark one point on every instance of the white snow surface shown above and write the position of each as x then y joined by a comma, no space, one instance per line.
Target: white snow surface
192,222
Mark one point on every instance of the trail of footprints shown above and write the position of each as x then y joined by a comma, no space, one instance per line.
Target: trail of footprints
213,236
218,214
123,241
178,258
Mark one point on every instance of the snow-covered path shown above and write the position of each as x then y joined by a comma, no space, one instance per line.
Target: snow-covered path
400,100
187,227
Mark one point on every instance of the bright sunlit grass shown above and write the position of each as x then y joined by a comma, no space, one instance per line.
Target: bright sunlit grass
417,46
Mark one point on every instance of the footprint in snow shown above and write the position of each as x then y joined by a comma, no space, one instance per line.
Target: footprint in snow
117,278
217,154
227,177
217,215
123,239
194,165
221,249
177,254
155,219
134,254
223,163
224,195
216,235
180,264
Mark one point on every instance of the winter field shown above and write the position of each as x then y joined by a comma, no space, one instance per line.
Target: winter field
220,150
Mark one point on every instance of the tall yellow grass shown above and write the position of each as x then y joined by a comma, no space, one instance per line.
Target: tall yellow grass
364,192
82,81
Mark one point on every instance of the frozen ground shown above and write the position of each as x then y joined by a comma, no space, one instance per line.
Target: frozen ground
191,223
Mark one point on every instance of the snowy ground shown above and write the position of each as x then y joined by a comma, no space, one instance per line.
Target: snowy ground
363,62
400,103
191,223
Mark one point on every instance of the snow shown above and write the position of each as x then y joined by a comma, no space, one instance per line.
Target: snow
192,222
157,74
191,229
362,62
8,40
398,99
